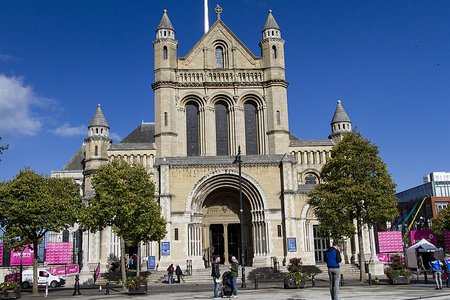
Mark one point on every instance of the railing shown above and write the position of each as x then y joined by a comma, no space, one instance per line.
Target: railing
193,76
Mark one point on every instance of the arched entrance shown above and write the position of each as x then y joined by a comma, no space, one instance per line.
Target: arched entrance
221,216
215,218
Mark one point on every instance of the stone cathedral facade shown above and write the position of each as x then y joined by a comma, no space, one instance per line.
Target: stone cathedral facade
216,100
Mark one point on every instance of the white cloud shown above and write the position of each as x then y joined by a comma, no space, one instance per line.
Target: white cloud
16,100
115,137
7,58
66,130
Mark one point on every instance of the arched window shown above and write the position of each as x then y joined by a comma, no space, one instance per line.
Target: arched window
274,52
251,128
222,139
219,57
310,179
165,52
192,129
278,117
65,236
166,118
96,150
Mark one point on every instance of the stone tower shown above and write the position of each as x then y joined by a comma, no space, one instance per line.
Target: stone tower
96,149
340,123
272,49
165,54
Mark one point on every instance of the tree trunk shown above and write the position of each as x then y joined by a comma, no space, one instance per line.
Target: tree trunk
35,290
362,269
138,260
122,264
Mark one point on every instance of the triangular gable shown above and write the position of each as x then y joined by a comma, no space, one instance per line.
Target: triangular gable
219,31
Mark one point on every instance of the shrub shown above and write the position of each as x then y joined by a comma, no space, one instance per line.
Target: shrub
9,286
396,269
296,273
134,282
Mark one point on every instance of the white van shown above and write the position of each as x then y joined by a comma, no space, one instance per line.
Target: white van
44,277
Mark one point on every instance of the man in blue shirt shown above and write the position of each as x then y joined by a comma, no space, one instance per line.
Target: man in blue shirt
333,258
436,267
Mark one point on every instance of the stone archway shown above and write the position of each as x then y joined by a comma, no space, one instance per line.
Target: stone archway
214,200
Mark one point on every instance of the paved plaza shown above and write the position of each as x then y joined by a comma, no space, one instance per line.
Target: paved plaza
354,291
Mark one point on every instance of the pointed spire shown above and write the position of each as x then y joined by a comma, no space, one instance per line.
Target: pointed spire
98,119
340,115
270,22
165,22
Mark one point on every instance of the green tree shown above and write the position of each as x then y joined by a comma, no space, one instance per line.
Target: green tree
125,200
32,205
442,221
356,187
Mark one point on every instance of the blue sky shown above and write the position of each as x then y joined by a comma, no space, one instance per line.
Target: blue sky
388,61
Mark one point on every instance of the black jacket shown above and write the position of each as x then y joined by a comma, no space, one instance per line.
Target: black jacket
215,272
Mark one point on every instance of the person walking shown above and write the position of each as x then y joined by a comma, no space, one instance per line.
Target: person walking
333,258
436,267
215,273
170,274
234,275
179,273
447,268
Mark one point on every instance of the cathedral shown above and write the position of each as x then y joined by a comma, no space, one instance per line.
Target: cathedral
230,177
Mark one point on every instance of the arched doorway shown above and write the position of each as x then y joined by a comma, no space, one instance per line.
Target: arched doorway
214,229
221,216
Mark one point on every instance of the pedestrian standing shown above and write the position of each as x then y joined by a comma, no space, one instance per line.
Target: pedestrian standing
179,273
215,273
234,275
170,271
436,267
333,258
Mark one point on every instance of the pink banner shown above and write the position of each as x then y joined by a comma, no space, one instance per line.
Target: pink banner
417,235
1,254
27,257
64,270
390,241
58,253
447,240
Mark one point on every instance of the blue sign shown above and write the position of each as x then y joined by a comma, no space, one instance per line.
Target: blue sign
292,244
151,263
165,248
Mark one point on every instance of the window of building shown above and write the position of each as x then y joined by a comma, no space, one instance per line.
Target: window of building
219,57
310,179
192,129
251,128
222,139
280,233
96,151
65,236
440,206
165,52
278,117
274,52
175,234
166,118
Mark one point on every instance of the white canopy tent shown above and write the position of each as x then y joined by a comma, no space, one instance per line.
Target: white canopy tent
422,246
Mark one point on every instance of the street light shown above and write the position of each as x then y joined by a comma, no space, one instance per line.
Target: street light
239,161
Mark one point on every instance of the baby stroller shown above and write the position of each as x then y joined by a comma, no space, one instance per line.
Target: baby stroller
227,285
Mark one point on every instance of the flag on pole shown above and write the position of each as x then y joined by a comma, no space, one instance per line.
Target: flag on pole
96,272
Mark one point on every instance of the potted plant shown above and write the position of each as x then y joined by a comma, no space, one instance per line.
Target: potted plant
295,277
397,273
136,285
9,290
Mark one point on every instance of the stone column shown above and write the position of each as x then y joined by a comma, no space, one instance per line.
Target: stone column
225,242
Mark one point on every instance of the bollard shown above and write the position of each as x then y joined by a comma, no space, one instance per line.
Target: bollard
426,277
46,290
107,288
369,280
313,280
76,290
341,283
256,282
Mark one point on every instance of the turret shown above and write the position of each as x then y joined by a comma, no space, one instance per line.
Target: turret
340,123
272,49
165,51
97,144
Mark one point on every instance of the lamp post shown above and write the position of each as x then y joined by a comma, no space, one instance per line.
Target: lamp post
239,161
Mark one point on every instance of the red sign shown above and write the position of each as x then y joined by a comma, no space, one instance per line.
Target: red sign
390,241
64,270
447,240
59,253
417,235
27,257
1,254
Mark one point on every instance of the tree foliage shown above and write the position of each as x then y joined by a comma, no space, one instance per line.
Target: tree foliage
442,221
3,148
356,186
32,205
125,200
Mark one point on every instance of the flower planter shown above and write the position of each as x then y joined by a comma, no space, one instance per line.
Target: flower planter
290,284
399,280
10,295
140,290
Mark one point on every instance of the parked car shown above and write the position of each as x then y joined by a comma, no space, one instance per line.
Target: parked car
44,277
